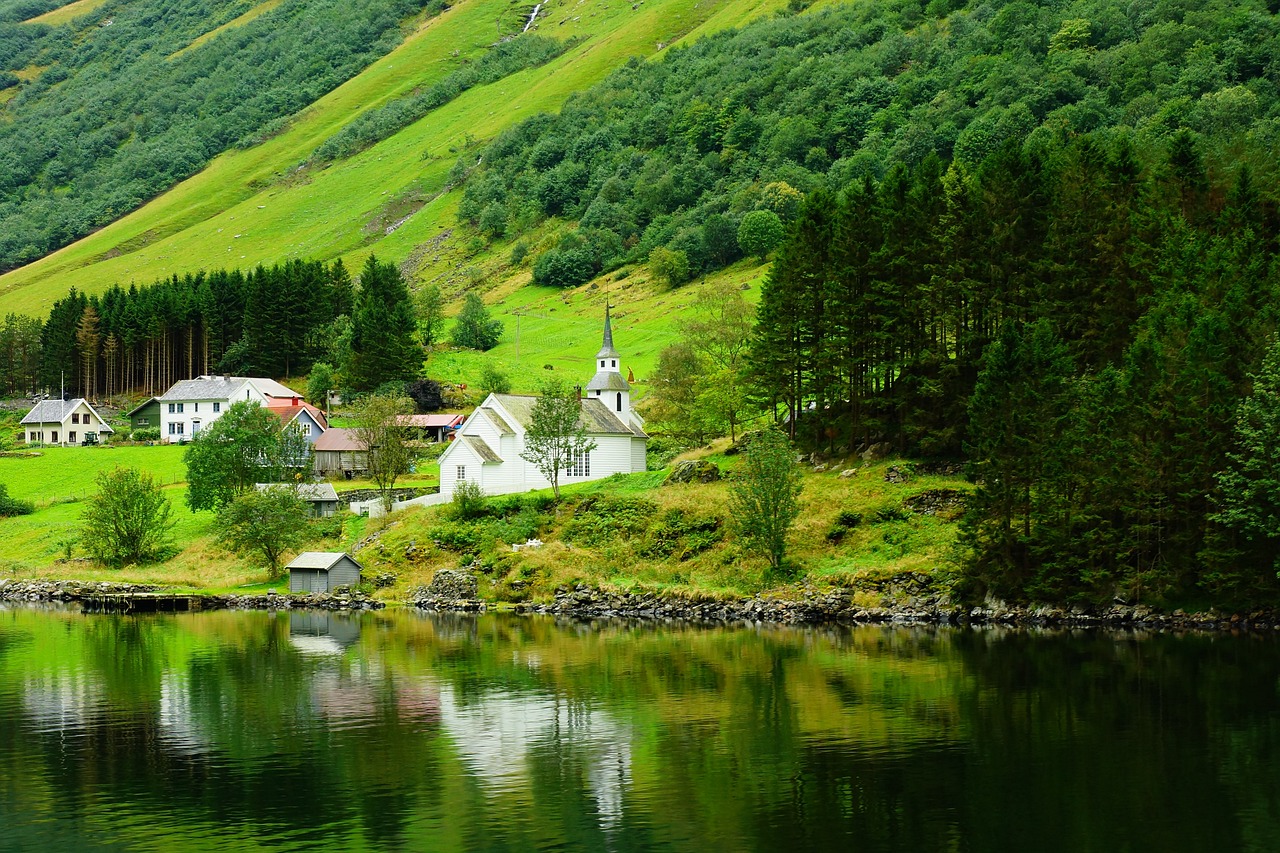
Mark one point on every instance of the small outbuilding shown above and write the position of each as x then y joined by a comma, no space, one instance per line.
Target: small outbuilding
322,571
321,498
146,415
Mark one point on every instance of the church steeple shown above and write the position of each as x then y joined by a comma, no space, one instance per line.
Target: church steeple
608,385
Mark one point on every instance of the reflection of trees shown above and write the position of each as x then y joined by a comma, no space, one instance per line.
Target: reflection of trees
401,731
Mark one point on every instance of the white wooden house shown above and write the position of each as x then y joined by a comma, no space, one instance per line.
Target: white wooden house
192,404
65,422
488,445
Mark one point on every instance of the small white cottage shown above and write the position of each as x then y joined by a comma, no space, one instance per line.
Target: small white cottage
65,422
488,445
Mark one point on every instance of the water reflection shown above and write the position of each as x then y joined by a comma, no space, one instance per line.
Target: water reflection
399,731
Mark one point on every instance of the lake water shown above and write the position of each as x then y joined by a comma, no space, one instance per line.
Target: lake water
398,731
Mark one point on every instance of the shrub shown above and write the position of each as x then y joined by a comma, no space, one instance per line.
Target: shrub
127,521
671,265
12,506
598,520
468,501
147,434
680,533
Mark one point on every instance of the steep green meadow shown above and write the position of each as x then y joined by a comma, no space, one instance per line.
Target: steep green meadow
253,206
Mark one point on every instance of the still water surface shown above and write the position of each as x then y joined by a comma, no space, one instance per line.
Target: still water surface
399,731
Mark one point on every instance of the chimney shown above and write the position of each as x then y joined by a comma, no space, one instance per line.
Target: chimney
295,401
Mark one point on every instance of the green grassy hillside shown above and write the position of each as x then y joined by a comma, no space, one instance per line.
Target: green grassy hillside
252,206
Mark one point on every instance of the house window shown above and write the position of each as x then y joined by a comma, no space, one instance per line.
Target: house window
180,408
33,438
217,407
75,419
55,437
172,408
579,466
177,429
71,437
462,473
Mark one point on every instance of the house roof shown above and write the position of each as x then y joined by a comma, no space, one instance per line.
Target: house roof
141,406
204,388
338,438
56,411
306,491
272,388
289,413
319,560
482,449
596,419
223,387
430,420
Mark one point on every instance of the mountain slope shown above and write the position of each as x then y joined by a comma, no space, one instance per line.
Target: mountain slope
252,206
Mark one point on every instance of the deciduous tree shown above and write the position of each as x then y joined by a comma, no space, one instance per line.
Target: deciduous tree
247,445
127,521
265,522
380,430
555,436
764,499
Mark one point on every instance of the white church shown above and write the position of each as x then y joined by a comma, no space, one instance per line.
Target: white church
488,446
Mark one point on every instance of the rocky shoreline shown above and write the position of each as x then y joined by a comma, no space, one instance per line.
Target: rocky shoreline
816,607
456,592
80,592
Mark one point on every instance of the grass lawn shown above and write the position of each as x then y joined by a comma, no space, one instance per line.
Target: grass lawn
68,473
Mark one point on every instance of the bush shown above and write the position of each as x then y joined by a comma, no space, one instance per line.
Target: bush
760,233
10,506
599,520
468,501
671,265
681,534
475,329
147,434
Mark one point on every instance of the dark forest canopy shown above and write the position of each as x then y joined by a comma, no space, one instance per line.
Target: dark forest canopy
119,114
1090,335
270,321
674,153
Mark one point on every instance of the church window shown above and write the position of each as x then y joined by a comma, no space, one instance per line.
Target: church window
613,363
462,472
619,401
579,466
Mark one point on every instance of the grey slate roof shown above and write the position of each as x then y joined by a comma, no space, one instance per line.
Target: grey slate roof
56,411
222,387
306,491
497,420
608,380
319,560
596,418
482,449
204,388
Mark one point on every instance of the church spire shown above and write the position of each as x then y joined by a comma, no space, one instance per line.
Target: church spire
606,349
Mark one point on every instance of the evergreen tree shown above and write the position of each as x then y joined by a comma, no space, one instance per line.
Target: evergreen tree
382,330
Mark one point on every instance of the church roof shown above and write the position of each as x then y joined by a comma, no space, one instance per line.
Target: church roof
608,380
496,419
596,419
482,448
606,349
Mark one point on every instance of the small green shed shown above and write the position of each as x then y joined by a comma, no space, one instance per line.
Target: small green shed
322,571
146,415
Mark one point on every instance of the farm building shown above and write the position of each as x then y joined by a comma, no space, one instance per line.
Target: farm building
321,498
339,452
146,415
65,422
322,571
431,427
193,404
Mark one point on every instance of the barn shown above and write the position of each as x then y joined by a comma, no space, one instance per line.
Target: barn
322,571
